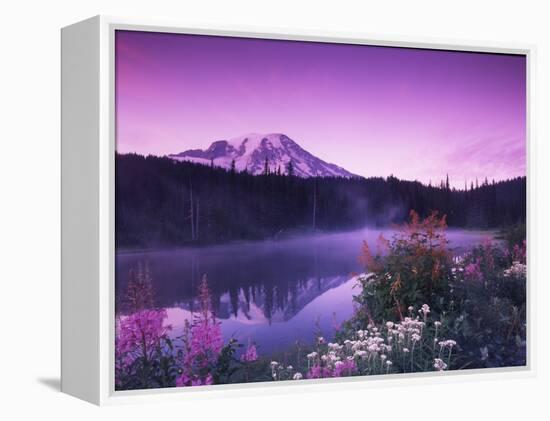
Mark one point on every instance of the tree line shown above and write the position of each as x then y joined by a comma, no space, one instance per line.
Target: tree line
162,202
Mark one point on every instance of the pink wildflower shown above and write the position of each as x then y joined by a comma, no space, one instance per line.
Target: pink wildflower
472,272
345,368
318,372
250,354
138,334
204,343
519,252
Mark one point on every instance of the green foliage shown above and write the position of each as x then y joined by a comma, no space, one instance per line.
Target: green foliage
480,297
414,267
514,234
490,313
158,370
227,365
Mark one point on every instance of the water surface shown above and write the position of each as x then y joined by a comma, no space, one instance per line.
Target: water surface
271,292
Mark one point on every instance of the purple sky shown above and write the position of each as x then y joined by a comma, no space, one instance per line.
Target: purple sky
376,111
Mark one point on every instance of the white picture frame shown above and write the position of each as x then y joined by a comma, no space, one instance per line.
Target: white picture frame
88,145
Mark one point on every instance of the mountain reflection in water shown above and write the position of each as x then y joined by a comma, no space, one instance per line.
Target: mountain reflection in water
271,292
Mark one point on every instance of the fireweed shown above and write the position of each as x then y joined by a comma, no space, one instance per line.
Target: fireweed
140,342
145,356
250,354
140,333
139,291
472,272
202,344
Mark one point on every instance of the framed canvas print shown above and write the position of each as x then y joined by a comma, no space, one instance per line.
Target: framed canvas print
250,210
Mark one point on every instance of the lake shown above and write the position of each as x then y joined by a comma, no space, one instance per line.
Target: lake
271,292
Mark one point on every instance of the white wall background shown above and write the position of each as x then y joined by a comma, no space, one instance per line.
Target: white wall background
29,209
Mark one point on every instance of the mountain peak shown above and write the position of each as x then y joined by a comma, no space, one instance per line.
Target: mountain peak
250,151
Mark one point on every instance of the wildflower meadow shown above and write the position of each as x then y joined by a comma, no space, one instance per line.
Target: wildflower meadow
418,307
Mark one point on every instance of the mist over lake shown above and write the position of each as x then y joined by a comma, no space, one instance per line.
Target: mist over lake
274,292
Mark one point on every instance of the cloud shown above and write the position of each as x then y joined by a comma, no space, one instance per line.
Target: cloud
496,156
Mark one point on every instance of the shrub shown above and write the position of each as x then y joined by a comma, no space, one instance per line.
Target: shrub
415,266
479,297
488,315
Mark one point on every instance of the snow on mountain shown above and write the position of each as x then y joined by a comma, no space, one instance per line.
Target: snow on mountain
250,152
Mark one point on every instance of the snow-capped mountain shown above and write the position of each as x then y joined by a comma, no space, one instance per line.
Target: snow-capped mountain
250,152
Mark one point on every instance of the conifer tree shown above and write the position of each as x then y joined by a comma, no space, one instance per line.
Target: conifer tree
290,168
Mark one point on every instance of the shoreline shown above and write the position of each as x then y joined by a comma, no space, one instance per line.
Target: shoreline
495,233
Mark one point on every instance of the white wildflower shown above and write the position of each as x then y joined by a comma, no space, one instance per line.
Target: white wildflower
439,364
517,270
425,309
484,353
447,344
360,353
373,348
